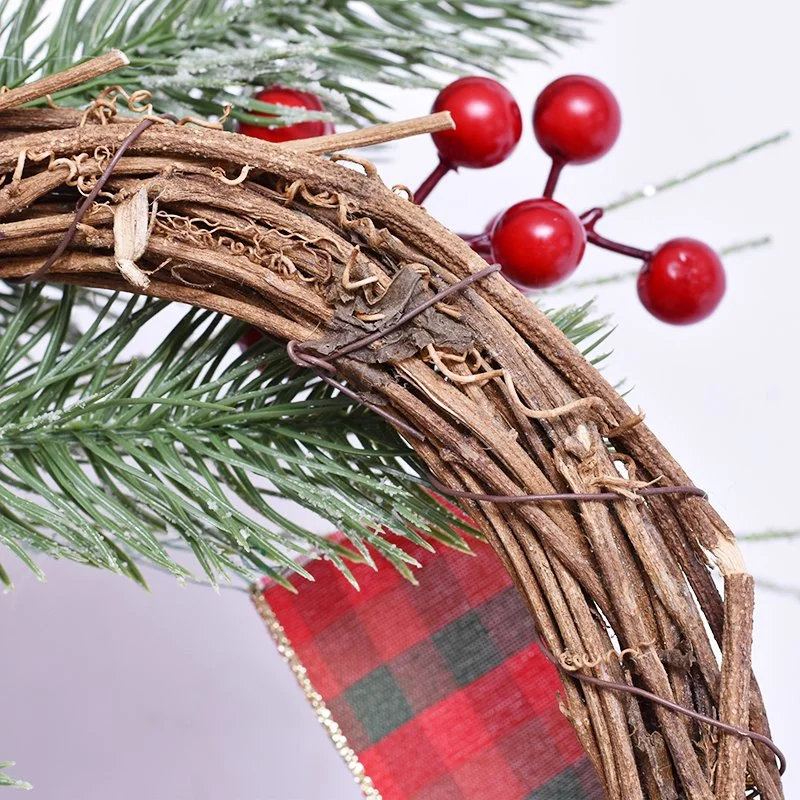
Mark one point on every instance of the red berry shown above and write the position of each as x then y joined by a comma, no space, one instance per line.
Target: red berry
488,123
287,97
682,282
538,243
250,337
576,119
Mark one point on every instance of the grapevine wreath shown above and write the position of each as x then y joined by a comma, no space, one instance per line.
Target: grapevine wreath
605,537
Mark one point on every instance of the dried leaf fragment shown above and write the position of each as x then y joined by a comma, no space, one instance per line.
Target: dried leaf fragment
131,233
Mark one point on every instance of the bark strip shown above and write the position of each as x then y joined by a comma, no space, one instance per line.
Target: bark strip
734,703
50,84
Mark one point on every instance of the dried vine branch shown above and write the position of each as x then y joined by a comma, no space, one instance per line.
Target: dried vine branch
315,252
49,84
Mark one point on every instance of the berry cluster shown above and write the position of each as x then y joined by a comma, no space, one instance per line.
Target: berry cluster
540,242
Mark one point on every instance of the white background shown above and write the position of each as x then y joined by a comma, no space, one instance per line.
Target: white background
110,692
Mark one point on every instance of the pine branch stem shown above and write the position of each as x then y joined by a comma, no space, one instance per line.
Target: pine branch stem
652,190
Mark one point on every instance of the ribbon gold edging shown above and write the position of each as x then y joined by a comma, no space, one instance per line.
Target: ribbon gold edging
314,697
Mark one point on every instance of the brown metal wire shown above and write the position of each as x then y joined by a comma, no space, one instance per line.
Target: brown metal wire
654,698
304,360
365,341
298,354
563,496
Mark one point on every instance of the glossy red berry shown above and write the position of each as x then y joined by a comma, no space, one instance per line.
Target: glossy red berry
488,123
250,337
682,282
538,243
576,119
296,99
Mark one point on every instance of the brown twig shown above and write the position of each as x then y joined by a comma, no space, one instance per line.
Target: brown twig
376,134
734,733
734,700
563,497
50,84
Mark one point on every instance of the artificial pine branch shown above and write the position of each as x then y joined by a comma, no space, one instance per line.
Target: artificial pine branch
168,448
657,189
770,535
197,55
122,454
101,467
7,781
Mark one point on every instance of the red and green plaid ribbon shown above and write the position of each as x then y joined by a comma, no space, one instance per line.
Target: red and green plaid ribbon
431,692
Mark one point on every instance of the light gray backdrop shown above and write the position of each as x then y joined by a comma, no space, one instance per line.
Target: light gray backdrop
109,692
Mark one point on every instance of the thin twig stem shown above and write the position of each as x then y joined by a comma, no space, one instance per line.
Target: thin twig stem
632,274
552,178
734,703
376,134
590,219
80,73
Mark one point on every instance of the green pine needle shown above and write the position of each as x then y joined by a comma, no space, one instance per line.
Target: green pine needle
769,536
792,592
117,461
9,782
196,55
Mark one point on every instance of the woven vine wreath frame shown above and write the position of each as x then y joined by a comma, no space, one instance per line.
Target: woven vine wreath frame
491,395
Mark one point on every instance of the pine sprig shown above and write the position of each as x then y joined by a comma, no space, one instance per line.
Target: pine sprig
112,460
197,55
8,782
769,536
116,461
111,456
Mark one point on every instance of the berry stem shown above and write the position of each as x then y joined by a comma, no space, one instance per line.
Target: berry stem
589,220
552,178
481,243
476,239
623,249
429,184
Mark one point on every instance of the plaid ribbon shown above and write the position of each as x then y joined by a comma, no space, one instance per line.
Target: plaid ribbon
431,692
